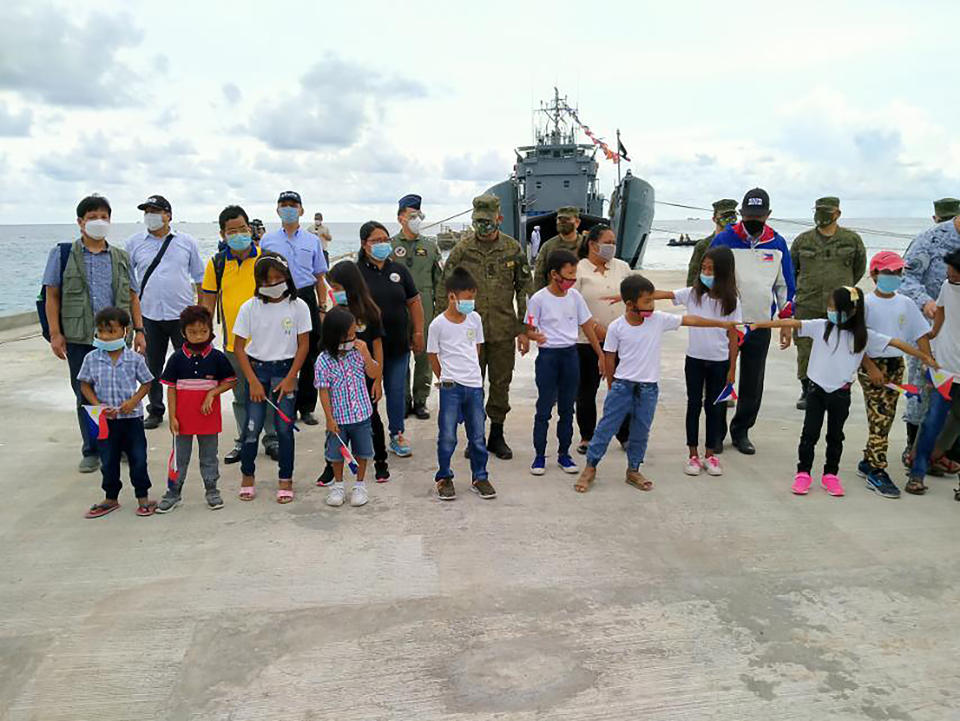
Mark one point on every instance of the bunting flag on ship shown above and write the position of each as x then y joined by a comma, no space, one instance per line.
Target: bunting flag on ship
607,153
910,391
98,421
942,380
726,393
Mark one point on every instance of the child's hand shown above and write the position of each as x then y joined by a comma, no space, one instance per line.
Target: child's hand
332,426
732,376
287,386
876,376
110,412
931,362
611,299
376,392
257,394
129,405
174,425
362,347
207,406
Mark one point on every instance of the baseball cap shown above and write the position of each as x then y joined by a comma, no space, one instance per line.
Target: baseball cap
756,203
886,260
156,201
290,195
411,200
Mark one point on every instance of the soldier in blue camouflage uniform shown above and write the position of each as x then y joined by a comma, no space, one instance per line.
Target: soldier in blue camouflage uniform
922,278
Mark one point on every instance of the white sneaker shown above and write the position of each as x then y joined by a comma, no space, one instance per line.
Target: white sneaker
693,466
713,466
358,496
336,495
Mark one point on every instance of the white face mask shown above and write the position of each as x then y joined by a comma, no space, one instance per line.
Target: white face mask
153,221
273,291
97,229
346,346
607,251
415,224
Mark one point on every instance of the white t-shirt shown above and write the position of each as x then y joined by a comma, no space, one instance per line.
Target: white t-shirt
897,317
456,347
946,346
557,317
271,329
834,363
709,344
639,345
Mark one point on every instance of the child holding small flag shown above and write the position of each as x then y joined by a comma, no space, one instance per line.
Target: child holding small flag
711,363
195,376
839,345
881,375
116,379
634,383
340,374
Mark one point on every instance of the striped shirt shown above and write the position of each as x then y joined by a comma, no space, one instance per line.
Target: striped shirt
114,383
344,379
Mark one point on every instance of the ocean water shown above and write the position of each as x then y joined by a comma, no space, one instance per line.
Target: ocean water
25,247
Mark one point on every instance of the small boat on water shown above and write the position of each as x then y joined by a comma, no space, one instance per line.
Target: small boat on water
682,242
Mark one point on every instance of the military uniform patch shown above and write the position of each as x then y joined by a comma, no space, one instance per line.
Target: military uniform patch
421,251
400,251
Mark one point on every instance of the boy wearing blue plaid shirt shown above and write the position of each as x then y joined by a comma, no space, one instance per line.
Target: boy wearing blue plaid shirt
116,378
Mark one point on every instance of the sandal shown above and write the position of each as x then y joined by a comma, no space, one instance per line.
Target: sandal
915,486
248,493
638,480
147,509
284,495
101,509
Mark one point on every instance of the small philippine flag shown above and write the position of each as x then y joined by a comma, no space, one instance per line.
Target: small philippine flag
907,389
727,393
348,457
768,257
742,334
942,381
98,420
173,475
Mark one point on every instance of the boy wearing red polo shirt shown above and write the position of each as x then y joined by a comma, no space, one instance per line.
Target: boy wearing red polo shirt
195,377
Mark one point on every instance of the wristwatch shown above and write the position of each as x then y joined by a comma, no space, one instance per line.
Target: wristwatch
139,330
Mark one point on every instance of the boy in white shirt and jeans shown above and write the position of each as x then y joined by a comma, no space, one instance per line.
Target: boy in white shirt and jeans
453,348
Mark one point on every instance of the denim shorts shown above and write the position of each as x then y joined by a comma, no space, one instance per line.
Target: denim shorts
359,436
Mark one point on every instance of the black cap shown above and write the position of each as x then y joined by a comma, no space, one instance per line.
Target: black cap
288,195
756,203
156,201
256,221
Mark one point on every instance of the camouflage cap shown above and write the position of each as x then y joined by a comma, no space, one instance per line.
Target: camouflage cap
828,201
725,205
486,207
946,208
569,210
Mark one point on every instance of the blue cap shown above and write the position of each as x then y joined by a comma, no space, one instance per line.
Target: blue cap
409,201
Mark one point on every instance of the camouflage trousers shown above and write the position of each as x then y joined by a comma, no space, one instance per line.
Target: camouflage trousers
419,379
881,404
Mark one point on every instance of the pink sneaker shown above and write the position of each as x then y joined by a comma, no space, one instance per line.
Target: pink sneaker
693,466
801,483
713,466
831,484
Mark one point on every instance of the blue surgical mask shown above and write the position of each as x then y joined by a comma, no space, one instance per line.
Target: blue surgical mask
888,283
836,318
466,306
240,241
707,280
340,297
108,345
381,251
288,214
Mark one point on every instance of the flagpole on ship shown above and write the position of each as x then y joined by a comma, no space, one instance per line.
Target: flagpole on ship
619,145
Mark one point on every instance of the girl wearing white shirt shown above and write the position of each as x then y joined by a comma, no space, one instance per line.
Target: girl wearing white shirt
839,345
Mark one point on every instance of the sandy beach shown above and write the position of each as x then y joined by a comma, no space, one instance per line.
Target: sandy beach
708,598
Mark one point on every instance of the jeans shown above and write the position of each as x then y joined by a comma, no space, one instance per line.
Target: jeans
76,352
126,436
638,401
587,396
836,406
358,436
306,392
929,430
394,389
557,376
240,394
753,363
209,466
705,381
456,402
269,374
159,333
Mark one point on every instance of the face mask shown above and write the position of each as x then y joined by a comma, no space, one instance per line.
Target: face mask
645,313
565,283
753,226
836,318
484,227
108,345
565,227
153,221
888,283
414,224
240,241
707,280
273,291
97,229
607,251
823,218
381,251
726,220
199,347
340,297
466,306
288,215
346,346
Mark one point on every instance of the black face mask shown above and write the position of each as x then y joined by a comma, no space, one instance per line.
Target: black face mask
753,226
199,347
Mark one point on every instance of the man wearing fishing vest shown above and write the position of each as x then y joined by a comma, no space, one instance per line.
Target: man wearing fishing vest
168,269
765,280
80,282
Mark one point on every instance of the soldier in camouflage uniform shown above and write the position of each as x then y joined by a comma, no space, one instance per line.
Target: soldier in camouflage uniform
499,265
567,238
922,278
724,213
422,258
824,258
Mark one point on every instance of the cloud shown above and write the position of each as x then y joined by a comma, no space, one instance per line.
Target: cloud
46,56
338,99
488,166
231,93
15,124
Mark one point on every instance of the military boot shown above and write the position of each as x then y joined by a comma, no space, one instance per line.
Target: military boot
496,443
804,390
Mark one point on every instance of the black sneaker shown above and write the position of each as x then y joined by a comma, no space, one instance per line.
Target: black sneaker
233,456
484,489
445,490
273,452
326,478
309,418
381,472
879,482
151,422
421,412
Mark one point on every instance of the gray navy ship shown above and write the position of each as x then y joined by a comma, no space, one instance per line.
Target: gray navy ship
557,171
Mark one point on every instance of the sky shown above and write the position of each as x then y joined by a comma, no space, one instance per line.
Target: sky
356,104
